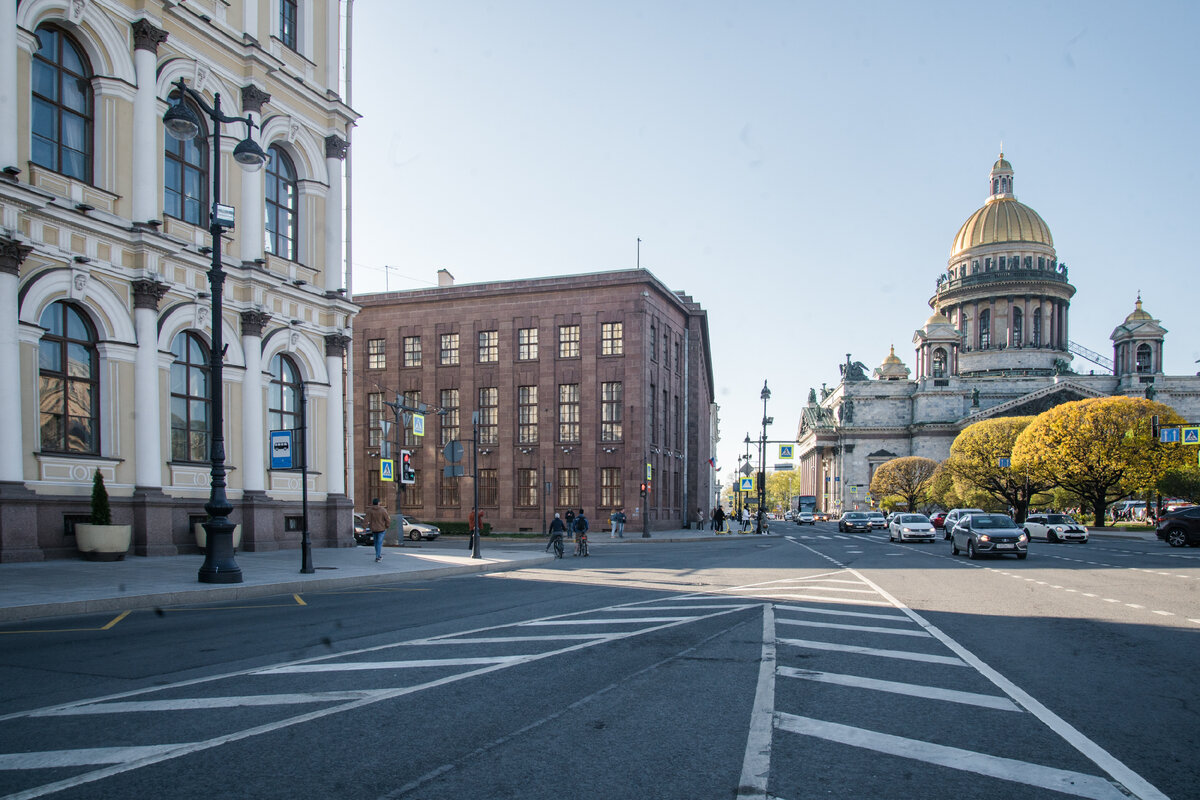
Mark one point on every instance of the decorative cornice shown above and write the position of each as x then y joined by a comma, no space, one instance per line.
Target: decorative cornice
147,292
336,147
254,98
146,36
335,344
12,253
253,322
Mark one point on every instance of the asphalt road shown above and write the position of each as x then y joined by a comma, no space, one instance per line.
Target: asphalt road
803,665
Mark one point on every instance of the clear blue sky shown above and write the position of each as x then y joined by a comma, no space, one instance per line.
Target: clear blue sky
799,168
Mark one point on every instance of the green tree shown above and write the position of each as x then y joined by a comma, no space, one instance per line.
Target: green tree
975,458
908,478
101,511
1183,483
1098,450
781,487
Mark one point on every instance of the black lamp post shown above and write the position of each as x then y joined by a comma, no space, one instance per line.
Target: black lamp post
762,454
744,460
181,123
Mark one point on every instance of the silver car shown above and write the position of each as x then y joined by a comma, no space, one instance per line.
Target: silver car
415,530
989,534
911,528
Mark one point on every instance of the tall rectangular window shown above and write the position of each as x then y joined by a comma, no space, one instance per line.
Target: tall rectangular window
568,341
678,425
667,350
612,338
449,404
374,484
489,488
374,418
287,22
568,488
412,351
449,355
653,342
412,399
527,414
610,488
653,415
527,344
448,491
611,398
678,367
568,412
527,488
489,347
489,414
376,354
666,438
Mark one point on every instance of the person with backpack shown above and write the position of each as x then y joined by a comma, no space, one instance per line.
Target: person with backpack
569,521
580,528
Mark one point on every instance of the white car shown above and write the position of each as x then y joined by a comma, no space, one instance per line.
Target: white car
1055,528
805,518
416,531
911,528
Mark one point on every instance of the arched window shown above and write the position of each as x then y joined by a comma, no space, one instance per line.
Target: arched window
283,404
185,175
1037,327
68,381
1144,358
985,329
283,205
939,363
62,106
1018,327
190,426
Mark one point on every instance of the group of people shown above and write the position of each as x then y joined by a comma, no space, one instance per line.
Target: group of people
575,524
718,518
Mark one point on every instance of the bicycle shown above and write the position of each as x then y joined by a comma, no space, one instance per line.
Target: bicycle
581,548
557,543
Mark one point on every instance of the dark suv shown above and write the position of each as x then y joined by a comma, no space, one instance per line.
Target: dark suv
1180,527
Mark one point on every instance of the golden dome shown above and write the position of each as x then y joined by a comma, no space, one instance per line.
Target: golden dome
1002,220
892,368
1138,315
937,318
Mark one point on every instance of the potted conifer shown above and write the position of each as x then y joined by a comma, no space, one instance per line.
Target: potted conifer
100,540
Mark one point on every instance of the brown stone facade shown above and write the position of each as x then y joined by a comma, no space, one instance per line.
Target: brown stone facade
576,446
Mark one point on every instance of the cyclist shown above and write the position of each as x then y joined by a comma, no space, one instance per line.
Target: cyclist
557,529
581,529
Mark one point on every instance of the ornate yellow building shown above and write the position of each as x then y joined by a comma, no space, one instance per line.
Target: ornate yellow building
105,322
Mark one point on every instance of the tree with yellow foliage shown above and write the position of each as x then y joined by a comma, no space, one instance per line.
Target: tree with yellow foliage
1098,450
907,478
975,462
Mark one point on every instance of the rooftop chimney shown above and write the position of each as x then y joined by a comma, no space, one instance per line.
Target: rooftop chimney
445,278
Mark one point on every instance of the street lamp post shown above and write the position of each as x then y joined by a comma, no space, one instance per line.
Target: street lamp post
743,461
762,455
181,123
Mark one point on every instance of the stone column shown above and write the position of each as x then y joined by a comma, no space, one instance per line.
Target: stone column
147,188
12,253
147,468
250,17
9,135
335,429
335,154
252,217
253,435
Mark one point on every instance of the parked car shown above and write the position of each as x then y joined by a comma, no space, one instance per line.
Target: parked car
804,518
938,519
953,516
415,530
1180,527
362,535
988,534
910,528
1055,528
854,521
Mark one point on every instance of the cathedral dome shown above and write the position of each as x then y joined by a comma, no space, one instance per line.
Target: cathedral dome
1139,314
1003,219
892,368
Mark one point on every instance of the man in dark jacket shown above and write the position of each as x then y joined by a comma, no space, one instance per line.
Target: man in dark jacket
378,520
557,528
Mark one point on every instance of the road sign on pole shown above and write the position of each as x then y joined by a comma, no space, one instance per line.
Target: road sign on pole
387,469
1191,435
418,421
785,451
281,449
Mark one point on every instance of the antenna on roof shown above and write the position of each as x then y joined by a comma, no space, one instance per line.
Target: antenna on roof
639,252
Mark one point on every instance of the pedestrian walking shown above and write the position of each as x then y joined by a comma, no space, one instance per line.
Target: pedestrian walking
612,524
745,519
719,518
712,520
378,520
621,522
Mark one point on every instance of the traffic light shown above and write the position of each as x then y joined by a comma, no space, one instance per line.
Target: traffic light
407,474
645,489
1154,427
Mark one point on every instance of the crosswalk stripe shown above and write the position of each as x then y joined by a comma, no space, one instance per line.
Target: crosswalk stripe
205,703
857,628
905,655
836,612
1076,784
605,621
354,666
55,759
550,637
853,601
896,687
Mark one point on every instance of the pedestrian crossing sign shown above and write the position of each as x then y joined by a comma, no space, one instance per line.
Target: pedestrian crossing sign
785,451
386,469
746,485
1191,435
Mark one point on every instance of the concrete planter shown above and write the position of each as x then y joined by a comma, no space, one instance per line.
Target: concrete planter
202,536
103,542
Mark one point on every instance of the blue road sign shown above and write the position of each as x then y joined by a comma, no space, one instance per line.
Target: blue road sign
281,449
386,469
1191,435
1005,463
747,485
785,451
1168,435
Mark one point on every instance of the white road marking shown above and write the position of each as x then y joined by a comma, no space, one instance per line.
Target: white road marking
895,687
556,637
56,759
830,611
1076,784
823,599
356,666
205,703
756,764
905,655
856,628
613,621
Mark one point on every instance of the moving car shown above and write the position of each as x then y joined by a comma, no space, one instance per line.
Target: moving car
988,534
415,530
910,528
805,518
1180,527
954,515
938,519
878,520
1055,528
820,516
854,521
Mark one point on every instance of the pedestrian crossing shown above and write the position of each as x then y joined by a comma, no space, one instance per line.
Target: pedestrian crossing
846,666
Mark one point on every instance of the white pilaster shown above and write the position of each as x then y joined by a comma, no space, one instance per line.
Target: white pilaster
10,366
250,17
333,226
253,435
8,102
146,155
335,431
147,468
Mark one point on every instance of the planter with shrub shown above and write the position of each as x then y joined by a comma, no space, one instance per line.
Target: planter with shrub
100,540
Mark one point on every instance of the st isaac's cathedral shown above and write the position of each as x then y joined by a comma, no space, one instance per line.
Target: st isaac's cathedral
997,344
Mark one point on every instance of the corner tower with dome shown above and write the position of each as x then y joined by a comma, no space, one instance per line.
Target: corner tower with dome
997,344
